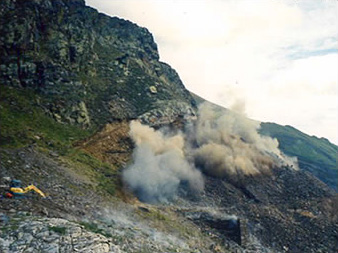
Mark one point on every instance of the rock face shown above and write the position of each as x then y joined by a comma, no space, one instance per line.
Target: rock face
88,68
53,235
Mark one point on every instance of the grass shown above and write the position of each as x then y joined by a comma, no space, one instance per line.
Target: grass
92,227
310,148
56,229
105,174
24,123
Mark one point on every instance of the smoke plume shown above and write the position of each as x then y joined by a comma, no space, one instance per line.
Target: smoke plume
219,143
159,165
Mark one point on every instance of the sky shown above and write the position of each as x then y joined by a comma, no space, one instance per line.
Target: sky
276,58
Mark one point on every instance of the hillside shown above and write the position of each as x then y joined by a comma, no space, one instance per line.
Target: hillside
126,158
315,155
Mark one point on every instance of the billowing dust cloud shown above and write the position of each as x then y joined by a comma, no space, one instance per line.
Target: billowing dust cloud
159,165
219,143
228,144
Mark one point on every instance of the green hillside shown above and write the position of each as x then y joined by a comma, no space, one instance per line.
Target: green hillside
316,155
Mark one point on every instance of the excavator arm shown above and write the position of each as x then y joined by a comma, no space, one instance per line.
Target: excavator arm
34,188
27,189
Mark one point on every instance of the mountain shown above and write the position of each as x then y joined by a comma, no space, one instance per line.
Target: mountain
72,83
82,64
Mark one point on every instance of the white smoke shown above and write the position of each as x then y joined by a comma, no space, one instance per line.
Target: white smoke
159,165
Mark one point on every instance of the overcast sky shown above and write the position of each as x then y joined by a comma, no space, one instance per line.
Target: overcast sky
279,58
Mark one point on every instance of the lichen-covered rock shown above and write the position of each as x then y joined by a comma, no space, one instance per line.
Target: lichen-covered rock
167,112
52,235
71,56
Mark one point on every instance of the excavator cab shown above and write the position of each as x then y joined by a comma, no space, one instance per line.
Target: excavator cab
16,183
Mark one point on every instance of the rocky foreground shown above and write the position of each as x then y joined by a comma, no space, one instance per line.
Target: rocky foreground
52,235
78,216
288,211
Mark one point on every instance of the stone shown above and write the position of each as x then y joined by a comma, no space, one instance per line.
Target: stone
153,89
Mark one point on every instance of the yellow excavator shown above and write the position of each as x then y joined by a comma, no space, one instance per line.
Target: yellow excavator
18,192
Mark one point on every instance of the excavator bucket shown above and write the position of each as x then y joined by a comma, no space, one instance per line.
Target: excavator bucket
34,188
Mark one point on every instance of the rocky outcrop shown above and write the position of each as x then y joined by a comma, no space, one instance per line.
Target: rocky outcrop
228,226
88,68
52,235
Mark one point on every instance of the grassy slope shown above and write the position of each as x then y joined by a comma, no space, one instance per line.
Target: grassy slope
316,155
23,123
293,142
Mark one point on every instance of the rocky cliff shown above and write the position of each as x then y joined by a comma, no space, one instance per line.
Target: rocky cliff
87,68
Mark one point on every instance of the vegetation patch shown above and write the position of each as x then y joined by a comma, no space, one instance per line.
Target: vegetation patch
92,227
295,143
106,175
23,122
57,229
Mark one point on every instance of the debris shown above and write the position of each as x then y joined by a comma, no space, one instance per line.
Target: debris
37,137
53,154
3,219
153,89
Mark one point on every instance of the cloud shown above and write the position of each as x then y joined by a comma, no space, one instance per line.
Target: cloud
303,94
227,49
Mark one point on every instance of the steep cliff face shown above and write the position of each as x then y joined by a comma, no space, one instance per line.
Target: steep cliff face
86,67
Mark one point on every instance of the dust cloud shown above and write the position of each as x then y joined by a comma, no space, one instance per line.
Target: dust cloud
159,165
219,143
228,144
